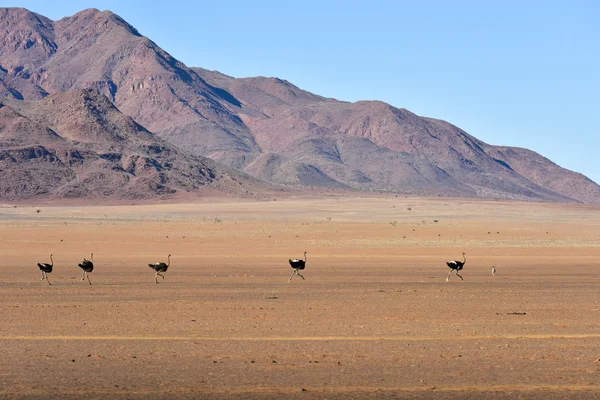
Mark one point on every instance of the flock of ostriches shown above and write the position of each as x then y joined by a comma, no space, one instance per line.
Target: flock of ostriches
159,267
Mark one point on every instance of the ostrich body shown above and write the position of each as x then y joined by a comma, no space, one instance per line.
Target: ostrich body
456,266
159,267
87,266
46,269
298,265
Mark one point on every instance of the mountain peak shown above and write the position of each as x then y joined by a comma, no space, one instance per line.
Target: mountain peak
20,12
109,86
87,12
101,20
15,19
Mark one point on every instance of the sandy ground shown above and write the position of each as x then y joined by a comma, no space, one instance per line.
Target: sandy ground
374,318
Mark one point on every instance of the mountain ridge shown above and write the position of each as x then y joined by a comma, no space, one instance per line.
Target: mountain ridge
267,127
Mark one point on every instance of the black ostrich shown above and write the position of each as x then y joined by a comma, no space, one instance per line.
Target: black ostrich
46,269
160,267
87,266
298,265
456,266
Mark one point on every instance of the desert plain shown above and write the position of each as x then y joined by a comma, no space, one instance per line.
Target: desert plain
374,318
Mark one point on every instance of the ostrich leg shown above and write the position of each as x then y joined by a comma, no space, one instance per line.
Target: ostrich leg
42,276
299,275
88,277
83,276
459,275
156,275
292,275
448,277
47,280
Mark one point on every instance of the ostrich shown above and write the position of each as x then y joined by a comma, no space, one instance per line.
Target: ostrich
160,267
87,266
297,265
456,266
46,269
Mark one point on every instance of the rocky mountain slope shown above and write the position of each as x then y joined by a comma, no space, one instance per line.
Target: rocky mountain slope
267,127
79,145
372,145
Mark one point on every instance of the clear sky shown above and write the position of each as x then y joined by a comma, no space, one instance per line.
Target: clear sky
519,73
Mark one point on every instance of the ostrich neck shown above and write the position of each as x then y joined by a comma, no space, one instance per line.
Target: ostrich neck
464,259
168,261
51,261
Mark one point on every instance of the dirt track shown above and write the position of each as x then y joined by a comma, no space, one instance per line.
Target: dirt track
373,319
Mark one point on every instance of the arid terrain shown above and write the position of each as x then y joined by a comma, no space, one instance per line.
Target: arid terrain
374,318
74,93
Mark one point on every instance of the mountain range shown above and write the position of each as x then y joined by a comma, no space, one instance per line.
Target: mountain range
90,107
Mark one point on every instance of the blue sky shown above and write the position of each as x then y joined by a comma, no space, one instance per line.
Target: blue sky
519,73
